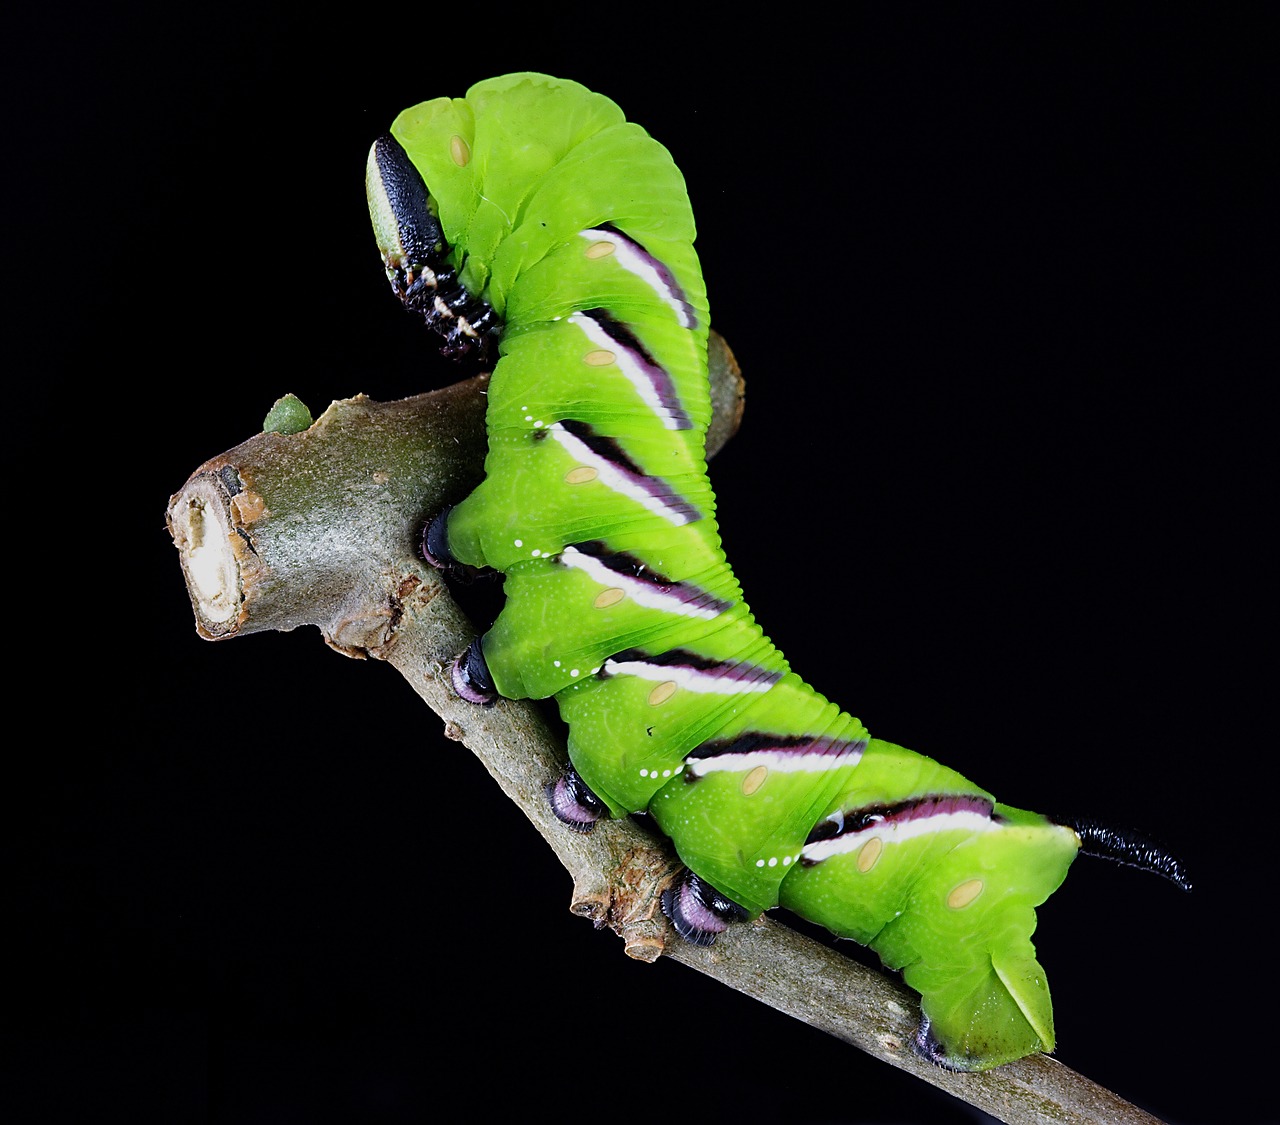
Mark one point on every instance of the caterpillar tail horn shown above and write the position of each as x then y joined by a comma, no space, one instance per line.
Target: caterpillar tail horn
1123,845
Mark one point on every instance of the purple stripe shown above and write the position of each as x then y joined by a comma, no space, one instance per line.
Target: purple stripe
920,808
608,449
690,317
636,569
664,387
732,671
755,742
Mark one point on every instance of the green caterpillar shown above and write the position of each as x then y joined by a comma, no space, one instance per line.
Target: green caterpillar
532,220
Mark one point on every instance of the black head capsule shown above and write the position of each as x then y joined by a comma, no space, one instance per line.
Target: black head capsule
408,234
416,254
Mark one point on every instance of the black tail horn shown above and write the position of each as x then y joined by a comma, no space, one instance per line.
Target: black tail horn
1123,845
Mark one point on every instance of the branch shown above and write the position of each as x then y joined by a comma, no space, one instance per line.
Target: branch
320,527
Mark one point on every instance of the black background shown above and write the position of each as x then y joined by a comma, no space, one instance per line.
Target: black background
998,284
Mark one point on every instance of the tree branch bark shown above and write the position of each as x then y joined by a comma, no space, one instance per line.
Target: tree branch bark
320,527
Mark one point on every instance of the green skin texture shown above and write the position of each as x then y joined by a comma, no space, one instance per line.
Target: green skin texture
540,161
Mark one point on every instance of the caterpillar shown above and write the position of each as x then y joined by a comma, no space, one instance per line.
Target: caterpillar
530,223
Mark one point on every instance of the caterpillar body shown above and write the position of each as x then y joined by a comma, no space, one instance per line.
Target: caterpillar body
530,220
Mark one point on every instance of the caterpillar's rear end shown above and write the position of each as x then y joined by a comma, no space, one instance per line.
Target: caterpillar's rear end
552,216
